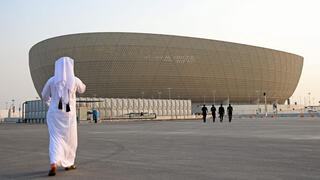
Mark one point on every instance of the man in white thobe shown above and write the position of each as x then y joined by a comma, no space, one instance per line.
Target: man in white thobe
60,94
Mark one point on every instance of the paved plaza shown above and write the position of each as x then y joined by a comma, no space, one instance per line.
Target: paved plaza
285,148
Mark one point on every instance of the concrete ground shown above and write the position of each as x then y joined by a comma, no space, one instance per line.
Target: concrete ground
287,148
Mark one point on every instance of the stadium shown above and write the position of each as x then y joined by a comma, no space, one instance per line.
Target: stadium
139,65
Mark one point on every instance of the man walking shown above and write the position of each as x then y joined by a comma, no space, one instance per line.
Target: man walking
230,109
60,94
204,113
213,111
221,113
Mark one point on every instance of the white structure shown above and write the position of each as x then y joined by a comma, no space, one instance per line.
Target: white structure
112,108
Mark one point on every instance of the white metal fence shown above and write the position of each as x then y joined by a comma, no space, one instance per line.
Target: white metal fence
35,111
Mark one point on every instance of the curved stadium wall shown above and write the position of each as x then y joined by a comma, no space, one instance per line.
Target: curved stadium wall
152,65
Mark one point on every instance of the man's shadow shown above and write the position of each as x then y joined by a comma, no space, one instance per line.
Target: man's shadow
29,175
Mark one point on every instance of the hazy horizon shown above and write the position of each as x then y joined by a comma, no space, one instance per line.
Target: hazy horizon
289,26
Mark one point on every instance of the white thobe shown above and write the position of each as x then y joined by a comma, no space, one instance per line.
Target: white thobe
62,125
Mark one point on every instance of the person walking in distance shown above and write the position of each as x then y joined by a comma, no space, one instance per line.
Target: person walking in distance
204,113
213,111
221,113
230,109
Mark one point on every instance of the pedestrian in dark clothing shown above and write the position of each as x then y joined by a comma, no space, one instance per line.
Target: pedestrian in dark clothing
221,112
213,111
204,113
230,109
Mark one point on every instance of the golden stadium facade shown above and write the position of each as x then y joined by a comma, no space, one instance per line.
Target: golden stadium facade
135,65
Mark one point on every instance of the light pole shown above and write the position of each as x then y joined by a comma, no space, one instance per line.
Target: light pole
228,100
214,96
257,91
170,101
265,103
13,107
309,98
169,93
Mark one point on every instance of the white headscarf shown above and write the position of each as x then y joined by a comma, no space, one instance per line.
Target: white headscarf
64,78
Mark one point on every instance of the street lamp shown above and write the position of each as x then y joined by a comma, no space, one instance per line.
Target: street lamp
170,101
169,92
257,91
309,98
13,107
214,96
265,102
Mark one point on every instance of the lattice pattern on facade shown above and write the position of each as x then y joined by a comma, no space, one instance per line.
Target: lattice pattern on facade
134,65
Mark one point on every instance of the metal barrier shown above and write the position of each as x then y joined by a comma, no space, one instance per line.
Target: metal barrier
112,108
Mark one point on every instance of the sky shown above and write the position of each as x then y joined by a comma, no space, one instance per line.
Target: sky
287,25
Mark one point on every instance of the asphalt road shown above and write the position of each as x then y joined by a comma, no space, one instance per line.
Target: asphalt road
287,148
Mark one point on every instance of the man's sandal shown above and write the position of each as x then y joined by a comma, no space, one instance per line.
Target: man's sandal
70,168
52,172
